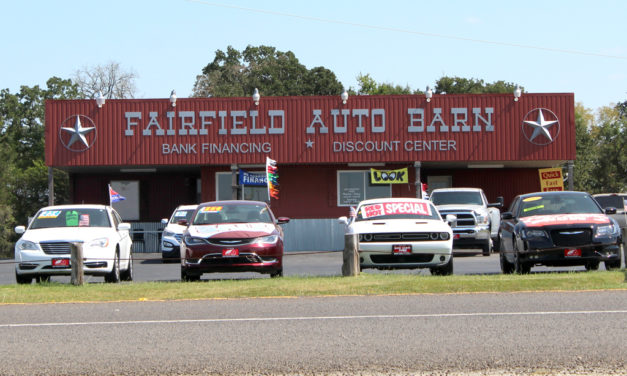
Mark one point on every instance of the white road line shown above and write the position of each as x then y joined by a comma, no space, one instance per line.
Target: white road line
308,318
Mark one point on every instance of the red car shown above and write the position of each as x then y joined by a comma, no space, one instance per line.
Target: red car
232,236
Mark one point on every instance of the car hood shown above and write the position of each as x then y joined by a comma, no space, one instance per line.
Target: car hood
175,228
564,219
84,234
233,230
477,208
398,225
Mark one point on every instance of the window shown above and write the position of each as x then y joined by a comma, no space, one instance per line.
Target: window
128,208
354,186
247,192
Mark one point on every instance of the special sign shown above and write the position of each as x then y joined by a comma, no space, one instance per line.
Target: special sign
551,179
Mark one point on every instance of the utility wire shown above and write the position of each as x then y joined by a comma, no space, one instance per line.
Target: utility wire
397,30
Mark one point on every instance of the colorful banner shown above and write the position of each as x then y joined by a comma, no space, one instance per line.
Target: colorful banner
249,178
389,176
551,179
395,208
114,196
272,176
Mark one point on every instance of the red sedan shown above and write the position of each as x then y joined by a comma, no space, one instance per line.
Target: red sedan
232,236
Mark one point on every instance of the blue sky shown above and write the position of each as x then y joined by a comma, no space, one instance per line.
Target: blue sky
545,46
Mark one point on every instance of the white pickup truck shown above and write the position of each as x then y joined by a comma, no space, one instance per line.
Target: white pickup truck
478,221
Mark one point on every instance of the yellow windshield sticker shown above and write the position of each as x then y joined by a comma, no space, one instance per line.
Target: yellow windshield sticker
530,199
49,214
211,209
533,208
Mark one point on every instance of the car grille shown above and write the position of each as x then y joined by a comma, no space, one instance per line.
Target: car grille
399,236
463,218
405,259
242,259
56,248
229,242
571,237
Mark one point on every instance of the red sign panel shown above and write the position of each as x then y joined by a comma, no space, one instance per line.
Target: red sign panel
304,130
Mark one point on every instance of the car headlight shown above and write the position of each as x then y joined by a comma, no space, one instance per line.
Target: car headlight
534,233
482,219
444,236
27,245
271,239
100,243
606,231
191,240
168,233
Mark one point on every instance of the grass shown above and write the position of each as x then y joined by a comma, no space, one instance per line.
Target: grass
364,284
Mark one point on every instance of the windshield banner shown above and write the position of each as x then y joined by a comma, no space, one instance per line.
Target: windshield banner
395,208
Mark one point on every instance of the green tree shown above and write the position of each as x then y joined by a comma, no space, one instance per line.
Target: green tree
610,139
368,86
585,149
459,85
273,73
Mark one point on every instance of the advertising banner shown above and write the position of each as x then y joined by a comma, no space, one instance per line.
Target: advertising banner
551,179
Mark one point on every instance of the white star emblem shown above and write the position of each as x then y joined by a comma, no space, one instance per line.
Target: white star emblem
540,126
309,144
78,132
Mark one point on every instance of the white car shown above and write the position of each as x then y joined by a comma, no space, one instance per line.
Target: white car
402,233
44,249
173,232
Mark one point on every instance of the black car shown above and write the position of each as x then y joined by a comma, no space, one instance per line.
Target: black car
561,228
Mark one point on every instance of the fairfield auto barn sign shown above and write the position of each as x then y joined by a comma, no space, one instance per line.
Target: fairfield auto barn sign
207,131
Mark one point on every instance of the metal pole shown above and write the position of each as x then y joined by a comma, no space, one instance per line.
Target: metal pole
234,185
50,187
571,175
418,183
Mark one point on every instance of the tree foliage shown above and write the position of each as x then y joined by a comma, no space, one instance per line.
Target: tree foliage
108,79
459,85
368,86
273,73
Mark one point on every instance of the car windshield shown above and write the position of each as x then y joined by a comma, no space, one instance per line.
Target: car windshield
456,197
182,214
396,210
558,204
232,213
71,217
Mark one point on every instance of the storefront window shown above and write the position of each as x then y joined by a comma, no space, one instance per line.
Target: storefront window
247,192
354,186
129,207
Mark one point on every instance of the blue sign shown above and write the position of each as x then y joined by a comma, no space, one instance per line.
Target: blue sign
247,178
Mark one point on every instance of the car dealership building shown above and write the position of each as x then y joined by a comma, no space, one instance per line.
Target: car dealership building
159,153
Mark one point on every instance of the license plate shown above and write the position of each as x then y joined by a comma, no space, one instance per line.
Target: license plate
572,252
401,249
61,263
231,252
456,236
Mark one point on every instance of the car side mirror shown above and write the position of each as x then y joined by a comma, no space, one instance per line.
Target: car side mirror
343,220
164,221
282,220
610,210
451,219
20,229
507,215
124,226
182,222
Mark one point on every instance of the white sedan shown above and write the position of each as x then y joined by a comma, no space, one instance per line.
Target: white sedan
45,247
402,233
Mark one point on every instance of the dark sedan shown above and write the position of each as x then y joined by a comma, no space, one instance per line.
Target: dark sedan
558,229
232,236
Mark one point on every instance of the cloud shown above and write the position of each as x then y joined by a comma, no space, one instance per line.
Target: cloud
473,20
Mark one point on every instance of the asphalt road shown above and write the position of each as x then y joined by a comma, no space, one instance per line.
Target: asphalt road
148,267
443,334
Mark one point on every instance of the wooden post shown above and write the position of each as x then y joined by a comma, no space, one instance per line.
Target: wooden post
350,266
76,261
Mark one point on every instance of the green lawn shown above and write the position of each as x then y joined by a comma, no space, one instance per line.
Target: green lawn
364,284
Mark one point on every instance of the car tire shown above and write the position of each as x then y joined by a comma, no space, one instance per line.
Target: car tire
114,275
496,244
446,269
519,266
592,265
486,249
23,279
127,275
278,273
506,266
185,277
612,265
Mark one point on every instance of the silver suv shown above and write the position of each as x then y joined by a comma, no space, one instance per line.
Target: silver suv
619,202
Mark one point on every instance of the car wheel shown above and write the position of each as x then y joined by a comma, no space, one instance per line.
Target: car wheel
496,243
188,277
446,269
486,248
23,279
592,265
278,273
42,278
506,266
127,275
612,265
519,266
114,276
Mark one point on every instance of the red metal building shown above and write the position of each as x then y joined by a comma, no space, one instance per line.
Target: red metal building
164,154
